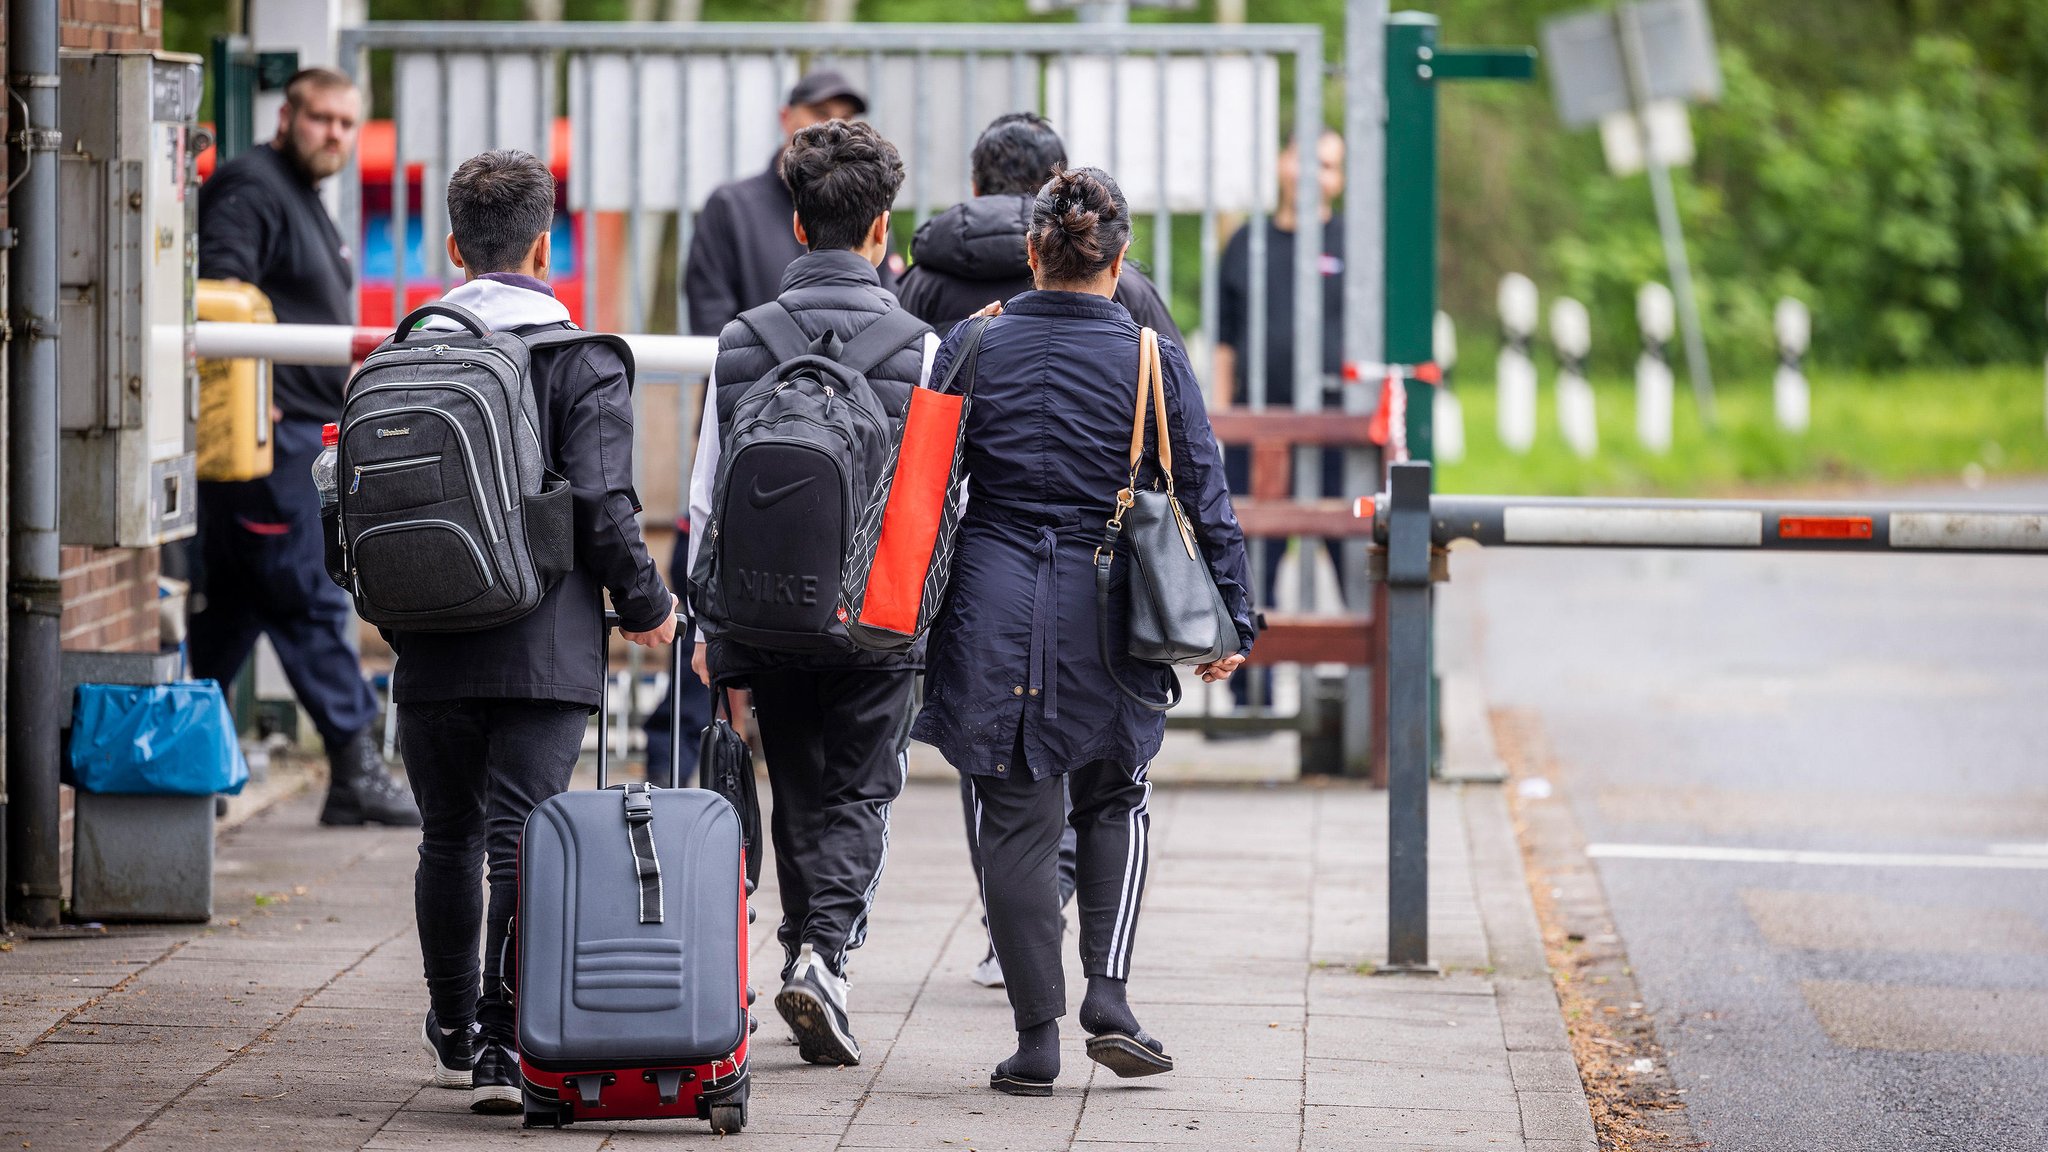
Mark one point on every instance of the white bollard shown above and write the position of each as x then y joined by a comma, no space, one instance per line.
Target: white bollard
1448,415
1655,315
1789,393
1514,371
1571,332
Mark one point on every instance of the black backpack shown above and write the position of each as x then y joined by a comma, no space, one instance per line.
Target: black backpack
797,463
449,519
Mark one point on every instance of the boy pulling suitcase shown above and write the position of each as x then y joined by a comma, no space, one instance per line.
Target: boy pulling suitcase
491,721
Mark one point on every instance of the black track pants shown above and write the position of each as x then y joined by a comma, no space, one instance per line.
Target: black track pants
835,744
1019,823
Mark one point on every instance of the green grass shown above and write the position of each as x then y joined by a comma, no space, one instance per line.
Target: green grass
1917,425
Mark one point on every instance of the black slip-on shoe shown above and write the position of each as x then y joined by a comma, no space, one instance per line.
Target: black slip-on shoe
1018,1085
495,1085
813,1003
1128,1055
454,1052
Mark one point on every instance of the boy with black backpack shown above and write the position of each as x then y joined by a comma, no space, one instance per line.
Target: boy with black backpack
491,448
806,395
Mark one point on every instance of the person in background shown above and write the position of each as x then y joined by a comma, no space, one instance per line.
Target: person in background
1234,353
974,252
742,241
1019,697
492,722
261,222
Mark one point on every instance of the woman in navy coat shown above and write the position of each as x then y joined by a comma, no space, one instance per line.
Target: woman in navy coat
1016,692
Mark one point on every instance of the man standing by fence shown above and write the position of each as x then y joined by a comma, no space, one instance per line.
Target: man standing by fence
1234,353
742,240
261,222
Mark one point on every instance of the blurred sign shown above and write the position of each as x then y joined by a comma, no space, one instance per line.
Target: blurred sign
1621,137
1589,72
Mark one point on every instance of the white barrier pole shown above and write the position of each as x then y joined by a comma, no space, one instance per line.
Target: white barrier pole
1656,315
1447,415
1789,393
1571,331
342,344
1514,371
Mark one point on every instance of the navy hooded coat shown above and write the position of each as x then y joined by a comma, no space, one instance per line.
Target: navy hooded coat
1013,666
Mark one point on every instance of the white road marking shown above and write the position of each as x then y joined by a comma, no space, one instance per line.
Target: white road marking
1726,855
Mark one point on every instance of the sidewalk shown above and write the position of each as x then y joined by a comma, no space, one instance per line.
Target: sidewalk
292,1020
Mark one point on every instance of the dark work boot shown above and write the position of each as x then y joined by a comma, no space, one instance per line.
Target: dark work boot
360,789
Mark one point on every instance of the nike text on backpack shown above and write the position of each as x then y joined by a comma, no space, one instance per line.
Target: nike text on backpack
798,463
449,520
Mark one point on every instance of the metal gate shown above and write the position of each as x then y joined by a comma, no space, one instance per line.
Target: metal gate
649,118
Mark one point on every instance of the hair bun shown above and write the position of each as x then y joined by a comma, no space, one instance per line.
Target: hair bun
1079,225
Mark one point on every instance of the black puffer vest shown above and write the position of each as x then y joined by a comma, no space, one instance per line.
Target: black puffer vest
834,291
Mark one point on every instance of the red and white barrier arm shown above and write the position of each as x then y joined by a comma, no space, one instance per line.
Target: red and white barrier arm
345,344
1547,522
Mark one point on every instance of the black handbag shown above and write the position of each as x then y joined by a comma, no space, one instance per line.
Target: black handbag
725,765
1177,613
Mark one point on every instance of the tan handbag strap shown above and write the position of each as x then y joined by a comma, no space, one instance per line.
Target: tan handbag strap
1147,338
1159,407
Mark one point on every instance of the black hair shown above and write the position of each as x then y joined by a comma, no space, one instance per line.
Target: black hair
842,175
314,79
499,203
1079,225
1015,154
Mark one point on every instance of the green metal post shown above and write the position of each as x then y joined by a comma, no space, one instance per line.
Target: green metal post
1411,209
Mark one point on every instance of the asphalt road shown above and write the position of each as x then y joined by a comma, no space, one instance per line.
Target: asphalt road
1892,708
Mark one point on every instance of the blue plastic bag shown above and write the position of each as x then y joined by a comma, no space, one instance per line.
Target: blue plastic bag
165,739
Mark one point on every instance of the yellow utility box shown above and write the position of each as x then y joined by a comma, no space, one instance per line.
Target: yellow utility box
234,436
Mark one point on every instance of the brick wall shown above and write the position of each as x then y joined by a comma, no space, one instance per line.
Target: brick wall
110,599
112,23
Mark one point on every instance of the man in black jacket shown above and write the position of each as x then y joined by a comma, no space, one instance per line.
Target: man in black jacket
261,222
973,253
741,242
491,722
834,725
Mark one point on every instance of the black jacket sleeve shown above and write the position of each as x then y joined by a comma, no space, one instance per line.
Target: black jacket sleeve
710,272
1198,479
1140,297
597,458
238,229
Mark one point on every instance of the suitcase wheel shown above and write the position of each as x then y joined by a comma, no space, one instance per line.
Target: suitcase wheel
728,1117
541,1113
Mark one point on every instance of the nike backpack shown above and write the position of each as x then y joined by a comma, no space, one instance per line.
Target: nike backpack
798,460
449,520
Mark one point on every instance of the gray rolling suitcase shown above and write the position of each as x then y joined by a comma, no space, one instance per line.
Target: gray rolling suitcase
632,953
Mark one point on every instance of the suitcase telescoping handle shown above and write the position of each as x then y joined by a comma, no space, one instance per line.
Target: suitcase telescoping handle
678,665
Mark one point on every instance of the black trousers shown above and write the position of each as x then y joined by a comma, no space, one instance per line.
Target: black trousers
1067,847
835,743
478,768
1019,826
265,572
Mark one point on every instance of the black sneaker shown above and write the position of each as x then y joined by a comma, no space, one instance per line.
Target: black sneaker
454,1052
813,1002
496,1085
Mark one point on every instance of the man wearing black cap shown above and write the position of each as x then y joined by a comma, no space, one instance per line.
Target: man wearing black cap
742,240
